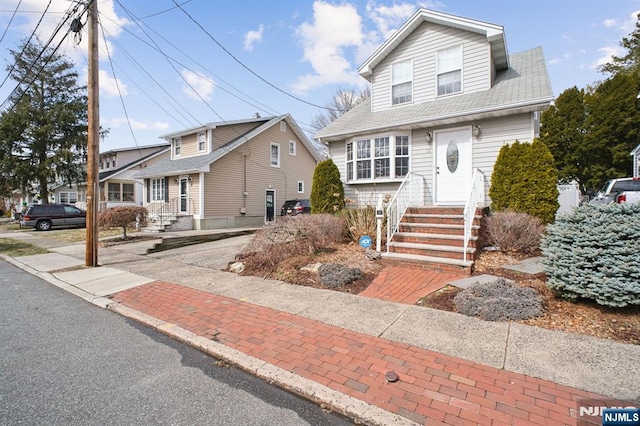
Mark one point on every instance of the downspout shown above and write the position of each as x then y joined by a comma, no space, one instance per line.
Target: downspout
243,209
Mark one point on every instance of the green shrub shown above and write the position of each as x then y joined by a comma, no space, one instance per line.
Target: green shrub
514,231
327,193
592,253
525,180
499,301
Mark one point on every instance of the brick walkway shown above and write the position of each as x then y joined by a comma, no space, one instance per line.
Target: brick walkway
407,285
433,388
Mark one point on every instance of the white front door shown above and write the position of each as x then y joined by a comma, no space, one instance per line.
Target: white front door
453,169
184,195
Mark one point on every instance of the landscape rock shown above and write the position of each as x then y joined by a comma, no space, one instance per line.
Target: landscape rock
373,255
336,275
236,267
312,267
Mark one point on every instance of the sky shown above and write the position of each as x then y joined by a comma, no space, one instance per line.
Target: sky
170,65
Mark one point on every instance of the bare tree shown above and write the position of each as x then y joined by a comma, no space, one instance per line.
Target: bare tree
342,101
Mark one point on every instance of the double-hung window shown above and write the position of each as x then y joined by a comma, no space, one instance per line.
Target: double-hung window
450,70
401,82
275,155
202,141
177,146
382,160
157,189
378,158
363,156
292,147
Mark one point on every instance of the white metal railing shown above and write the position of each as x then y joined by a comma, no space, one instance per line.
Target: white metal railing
410,193
475,200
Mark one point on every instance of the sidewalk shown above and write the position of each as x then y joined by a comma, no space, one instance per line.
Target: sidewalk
336,348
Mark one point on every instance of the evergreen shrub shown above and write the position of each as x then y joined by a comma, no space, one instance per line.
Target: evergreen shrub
499,300
593,253
327,193
525,179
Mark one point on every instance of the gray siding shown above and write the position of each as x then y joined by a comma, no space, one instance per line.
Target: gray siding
495,133
421,47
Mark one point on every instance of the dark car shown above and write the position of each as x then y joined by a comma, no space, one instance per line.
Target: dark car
295,207
45,216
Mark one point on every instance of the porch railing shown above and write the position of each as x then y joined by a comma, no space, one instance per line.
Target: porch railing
410,193
475,200
163,210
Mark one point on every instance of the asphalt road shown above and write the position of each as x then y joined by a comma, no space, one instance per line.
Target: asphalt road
65,361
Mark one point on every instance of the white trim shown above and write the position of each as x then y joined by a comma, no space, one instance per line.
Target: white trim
293,144
200,196
176,143
275,212
203,141
468,128
283,126
300,185
438,73
392,158
410,62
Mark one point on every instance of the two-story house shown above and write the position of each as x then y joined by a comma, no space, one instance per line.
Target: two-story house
116,185
232,173
445,97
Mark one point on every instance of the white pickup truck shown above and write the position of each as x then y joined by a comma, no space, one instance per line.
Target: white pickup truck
622,190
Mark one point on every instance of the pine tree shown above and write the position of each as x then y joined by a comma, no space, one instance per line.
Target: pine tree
43,134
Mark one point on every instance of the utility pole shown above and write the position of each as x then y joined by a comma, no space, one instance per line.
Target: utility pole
93,145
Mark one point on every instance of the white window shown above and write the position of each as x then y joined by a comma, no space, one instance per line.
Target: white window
120,192
292,147
363,156
283,126
402,155
350,161
401,82
157,189
384,157
177,146
300,187
450,70
275,155
68,197
202,141
113,161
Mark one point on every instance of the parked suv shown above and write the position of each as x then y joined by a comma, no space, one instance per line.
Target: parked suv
295,207
43,217
623,190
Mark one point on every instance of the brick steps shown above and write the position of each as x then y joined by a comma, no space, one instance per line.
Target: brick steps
433,237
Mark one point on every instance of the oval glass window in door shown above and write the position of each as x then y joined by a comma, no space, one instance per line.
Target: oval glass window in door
453,155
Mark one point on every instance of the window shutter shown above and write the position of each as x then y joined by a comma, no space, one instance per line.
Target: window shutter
166,188
147,185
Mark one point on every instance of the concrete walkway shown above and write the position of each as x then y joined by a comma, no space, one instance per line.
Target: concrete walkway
336,348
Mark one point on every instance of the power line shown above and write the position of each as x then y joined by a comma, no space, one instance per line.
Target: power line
10,21
44,49
163,11
245,66
27,43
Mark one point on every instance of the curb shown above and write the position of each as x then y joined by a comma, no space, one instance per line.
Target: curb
353,408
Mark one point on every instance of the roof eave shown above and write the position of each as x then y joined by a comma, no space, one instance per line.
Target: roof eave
478,114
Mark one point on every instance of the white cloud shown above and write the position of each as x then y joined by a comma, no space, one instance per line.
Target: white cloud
137,125
25,23
334,28
109,86
203,86
567,56
389,18
608,23
606,53
253,37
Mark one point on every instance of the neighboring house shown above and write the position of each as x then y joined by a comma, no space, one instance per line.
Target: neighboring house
231,174
117,186
445,97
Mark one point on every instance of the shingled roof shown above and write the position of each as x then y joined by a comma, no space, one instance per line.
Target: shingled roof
524,86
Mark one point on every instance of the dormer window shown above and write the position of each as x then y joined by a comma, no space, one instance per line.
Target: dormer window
401,82
450,71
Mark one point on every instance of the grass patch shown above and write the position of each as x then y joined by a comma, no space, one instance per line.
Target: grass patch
10,226
76,235
15,248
